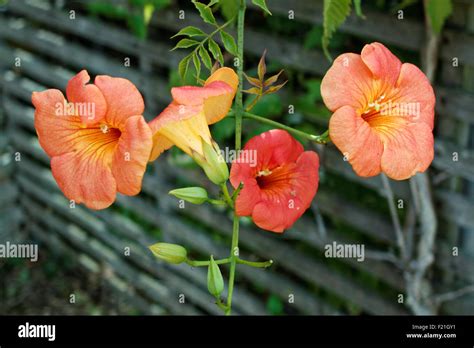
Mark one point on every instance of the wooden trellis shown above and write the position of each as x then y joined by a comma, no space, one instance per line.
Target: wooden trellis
50,48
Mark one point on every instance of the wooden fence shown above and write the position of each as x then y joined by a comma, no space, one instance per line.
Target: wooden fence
42,47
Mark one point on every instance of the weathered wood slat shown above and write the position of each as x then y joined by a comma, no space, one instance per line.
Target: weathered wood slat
319,274
406,33
191,239
84,219
152,287
392,281
116,285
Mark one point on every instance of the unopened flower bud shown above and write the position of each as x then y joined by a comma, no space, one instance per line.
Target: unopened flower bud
172,253
215,282
213,163
195,195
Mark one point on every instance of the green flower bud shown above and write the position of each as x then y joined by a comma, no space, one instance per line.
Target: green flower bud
172,253
212,162
195,195
215,282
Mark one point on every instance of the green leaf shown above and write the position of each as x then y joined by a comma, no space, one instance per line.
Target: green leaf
215,282
206,59
205,12
148,13
216,51
185,43
438,11
335,13
229,43
212,3
358,8
262,5
190,31
183,66
197,65
229,8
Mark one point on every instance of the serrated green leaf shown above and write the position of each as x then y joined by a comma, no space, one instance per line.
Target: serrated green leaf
205,12
216,51
262,4
438,11
229,43
229,8
183,67
197,65
185,43
335,13
190,31
206,59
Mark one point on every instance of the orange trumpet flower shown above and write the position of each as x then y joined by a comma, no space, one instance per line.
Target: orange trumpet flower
185,121
280,186
383,113
98,140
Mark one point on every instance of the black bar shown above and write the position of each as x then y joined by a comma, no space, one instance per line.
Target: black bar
242,330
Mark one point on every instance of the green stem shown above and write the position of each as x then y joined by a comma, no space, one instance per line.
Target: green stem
264,264
216,201
226,194
234,256
195,263
239,111
320,139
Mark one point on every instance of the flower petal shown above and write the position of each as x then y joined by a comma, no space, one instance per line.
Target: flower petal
85,176
195,95
87,99
274,148
216,108
248,197
347,82
356,140
122,97
217,94
131,155
270,216
383,64
409,151
414,87
55,128
172,113
281,206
